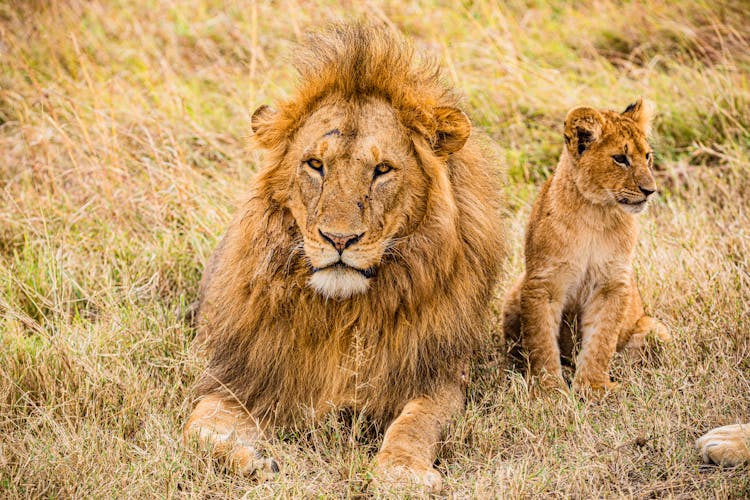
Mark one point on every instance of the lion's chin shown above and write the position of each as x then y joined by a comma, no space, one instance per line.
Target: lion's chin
338,282
634,208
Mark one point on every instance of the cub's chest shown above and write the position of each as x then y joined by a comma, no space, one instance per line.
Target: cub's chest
599,259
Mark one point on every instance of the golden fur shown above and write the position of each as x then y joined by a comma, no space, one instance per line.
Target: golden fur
359,271
728,446
579,250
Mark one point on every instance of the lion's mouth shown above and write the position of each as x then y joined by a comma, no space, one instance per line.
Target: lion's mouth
632,203
368,273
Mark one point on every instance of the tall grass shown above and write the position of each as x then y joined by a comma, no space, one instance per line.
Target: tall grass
123,148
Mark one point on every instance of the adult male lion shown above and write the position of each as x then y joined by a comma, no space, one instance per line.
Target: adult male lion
358,272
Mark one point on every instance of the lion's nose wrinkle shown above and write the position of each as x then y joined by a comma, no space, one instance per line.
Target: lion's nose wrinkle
340,241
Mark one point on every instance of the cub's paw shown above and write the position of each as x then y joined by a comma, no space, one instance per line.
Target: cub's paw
727,446
648,333
659,332
390,477
548,386
593,389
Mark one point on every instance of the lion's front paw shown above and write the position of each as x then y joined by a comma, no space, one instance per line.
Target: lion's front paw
239,455
404,477
248,461
727,446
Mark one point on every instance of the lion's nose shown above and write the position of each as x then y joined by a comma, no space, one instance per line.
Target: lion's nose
646,190
341,241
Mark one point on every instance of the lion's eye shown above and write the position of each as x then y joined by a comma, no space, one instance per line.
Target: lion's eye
648,156
622,160
382,168
315,164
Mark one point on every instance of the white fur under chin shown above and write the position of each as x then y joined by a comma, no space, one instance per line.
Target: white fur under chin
634,209
338,283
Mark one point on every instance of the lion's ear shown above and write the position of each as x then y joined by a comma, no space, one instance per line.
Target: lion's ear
264,132
583,127
641,112
453,130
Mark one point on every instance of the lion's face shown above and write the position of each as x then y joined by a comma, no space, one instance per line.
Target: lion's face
355,184
612,157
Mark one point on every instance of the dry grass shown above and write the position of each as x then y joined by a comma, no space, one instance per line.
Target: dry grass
123,131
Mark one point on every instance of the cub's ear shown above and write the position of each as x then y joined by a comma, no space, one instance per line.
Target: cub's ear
264,132
583,127
452,131
641,112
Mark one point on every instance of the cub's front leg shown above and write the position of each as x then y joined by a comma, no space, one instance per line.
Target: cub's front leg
601,320
541,313
411,442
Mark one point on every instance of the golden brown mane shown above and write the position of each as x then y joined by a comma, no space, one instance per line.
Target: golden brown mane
354,61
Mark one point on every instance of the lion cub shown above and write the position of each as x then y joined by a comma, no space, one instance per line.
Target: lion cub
579,250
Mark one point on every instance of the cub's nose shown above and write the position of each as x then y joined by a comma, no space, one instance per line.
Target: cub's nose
340,241
646,191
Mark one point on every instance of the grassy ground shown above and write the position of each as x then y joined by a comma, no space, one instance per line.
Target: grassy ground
123,147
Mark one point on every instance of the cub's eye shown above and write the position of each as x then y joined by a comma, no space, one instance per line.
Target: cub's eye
315,164
382,168
649,155
621,159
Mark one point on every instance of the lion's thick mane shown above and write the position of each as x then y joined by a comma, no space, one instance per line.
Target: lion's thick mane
278,346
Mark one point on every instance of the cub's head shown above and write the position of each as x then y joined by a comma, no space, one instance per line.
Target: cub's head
358,155
611,157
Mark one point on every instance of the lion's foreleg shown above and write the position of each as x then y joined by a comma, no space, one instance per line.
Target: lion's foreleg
600,325
411,442
231,432
541,314
512,322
